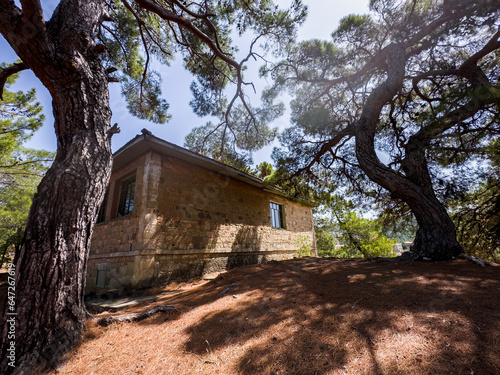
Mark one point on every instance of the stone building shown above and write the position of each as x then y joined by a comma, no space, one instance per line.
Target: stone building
172,214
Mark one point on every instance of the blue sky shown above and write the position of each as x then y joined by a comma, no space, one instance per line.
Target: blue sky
322,20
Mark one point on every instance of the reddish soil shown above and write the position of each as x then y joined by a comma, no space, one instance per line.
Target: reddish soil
312,316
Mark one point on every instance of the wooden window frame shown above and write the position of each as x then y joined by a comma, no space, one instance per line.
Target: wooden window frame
126,197
277,215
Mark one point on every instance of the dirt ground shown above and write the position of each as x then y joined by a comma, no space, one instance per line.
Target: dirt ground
311,316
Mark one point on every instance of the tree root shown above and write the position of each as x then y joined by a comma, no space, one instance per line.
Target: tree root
476,260
408,256
472,259
224,292
136,317
404,257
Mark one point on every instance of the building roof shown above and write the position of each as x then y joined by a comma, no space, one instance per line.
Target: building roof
146,141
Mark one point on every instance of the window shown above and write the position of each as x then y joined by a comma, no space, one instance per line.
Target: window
101,215
100,281
277,215
126,202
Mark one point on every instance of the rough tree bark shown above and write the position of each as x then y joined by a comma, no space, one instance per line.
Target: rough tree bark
436,234
51,266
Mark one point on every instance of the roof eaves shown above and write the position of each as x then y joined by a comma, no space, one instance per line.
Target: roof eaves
229,170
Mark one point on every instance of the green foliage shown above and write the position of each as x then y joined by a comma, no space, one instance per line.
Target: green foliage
478,221
352,23
205,141
233,145
303,244
125,44
240,131
341,233
363,237
143,98
15,203
326,241
199,33
20,116
296,187
20,169
241,128
402,233
398,223
477,213
263,170
442,110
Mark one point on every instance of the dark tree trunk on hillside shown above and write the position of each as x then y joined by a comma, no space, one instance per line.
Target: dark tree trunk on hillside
436,234
51,266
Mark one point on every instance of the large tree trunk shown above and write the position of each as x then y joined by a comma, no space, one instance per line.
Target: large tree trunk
51,265
436,234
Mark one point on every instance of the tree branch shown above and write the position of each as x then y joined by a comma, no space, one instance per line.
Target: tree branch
379,60
136,317
427,133
9,16
490,46
478,80
33,12
326,147
167,15
19,164
469,68
7,72
140,22
212,43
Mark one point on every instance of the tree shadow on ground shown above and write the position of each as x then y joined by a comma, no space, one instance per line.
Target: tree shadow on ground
322,316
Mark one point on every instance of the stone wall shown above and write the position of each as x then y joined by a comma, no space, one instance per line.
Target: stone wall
188,221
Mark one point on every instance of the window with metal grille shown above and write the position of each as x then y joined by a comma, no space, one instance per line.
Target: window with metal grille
126,201
277,215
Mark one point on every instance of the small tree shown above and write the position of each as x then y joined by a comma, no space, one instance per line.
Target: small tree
264,170
326,238
350,235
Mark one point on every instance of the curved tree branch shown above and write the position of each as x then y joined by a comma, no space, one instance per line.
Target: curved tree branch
168,15
7,72
327,147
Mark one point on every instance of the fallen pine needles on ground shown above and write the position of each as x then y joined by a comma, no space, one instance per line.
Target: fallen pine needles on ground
310,316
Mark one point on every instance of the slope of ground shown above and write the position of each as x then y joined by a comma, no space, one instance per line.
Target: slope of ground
312,316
